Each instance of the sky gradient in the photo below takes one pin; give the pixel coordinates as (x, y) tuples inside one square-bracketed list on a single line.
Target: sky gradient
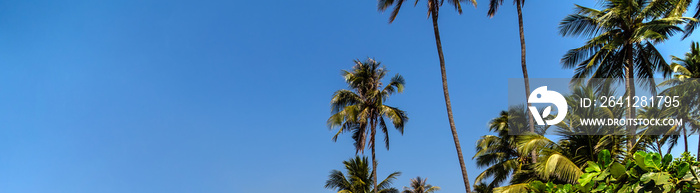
[(233, 96)]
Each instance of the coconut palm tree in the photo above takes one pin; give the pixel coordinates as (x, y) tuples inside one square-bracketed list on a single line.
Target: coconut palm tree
[(358, 179), (361, 108), (418, 185), (621, 42), (686, 85), (493, 7), (659, 135), (433, 10), (499, 152)]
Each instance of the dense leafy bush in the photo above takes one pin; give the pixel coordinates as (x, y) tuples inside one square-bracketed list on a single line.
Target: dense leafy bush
[(647, 172)]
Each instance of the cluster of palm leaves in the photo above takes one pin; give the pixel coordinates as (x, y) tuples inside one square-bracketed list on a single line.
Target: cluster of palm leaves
[(359, 180)]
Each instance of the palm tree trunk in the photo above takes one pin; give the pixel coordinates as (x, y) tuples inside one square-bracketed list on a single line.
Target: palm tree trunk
[(530, 120), (698, 155), (685, 139), (465, 176), (629, 80), (373, 132)]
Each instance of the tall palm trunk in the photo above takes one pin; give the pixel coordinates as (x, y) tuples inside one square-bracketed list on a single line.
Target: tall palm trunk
[(465, 176), (629, 80), (373, 132), (531, 121), (685, 139), (698, 155)]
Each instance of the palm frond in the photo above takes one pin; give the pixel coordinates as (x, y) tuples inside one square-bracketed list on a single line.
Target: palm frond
[(513, 188), (493, 7), (388, 181), (579, 25), (558, 166), (397, 116)]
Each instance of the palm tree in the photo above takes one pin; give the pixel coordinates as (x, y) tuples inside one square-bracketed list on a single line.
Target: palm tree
[(418, 185), (621, 42), (358, 179), (493, 7), (685, 84), (433, 10), (660, 135), (361, 109), (499, 152)]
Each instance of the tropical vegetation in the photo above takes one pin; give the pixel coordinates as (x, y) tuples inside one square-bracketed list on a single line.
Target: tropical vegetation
[(622, 45), (647, 172)]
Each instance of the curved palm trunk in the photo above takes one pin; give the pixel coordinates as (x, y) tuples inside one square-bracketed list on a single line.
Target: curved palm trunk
[(629, 81), (530, 120), (374, 160), (447, 97)]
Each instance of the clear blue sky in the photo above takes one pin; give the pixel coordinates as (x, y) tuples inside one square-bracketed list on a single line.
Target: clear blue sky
[(233, 96)]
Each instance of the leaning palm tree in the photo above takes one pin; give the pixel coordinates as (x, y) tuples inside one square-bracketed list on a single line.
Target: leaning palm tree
[(493, 7), (433, 10), (358, 179), (621, 42), (361, 108), (418, 185)]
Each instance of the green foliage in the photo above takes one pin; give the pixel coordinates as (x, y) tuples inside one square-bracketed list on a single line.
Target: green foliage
[(358, 178), (419, 185), (362, 109), (498, 152), (647, 172)]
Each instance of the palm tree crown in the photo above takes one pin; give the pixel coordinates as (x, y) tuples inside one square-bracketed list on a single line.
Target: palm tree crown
[(623, 33), (419, 185), (358, 110), (358, 179)]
